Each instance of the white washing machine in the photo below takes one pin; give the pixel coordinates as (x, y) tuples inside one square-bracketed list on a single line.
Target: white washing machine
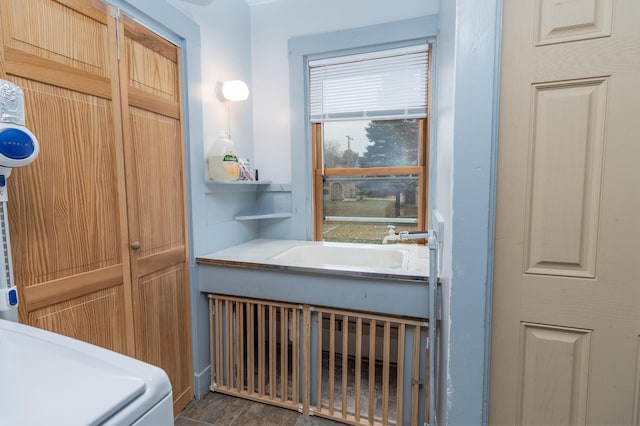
[(49, 379)]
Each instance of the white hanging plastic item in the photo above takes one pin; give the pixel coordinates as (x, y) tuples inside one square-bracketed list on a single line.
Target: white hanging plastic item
[(18, 147)]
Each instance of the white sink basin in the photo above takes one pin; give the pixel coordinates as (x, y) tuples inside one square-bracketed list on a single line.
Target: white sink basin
[(344, 255)]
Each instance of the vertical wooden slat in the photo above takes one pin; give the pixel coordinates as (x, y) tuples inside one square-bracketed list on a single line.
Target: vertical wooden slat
[(400, 380), (220, 349), (236, 339), (372, 370), (332, 359), (306, 389), (415, 375), (385, 372), (345, 360), (272, 352), (241, 339), (212, 353), (295, 377), (358, 361), (319, 364), (261, 349), (250, 348), (284, 341), (228, 344)]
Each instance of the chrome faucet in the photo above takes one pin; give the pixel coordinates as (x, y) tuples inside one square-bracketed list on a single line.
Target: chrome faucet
[(404, 235), (392, 235), (413, 235)]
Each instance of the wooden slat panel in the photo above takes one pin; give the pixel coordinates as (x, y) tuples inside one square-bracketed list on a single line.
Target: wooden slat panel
[(56, 291), (261, 349), (400, 377), (283, 353), (358, 360), (272, 352), (212, 345), (319, 364), (295, 377), (228, 349), (332, 360), (97, 318), (415, 375), (345, 362), (220, 351), (385, 372), (280, 311), (239, 339), (306, 367), (250, 348), (372, 371)]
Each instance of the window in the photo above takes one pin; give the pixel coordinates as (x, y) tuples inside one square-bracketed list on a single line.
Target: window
[(369, 130)]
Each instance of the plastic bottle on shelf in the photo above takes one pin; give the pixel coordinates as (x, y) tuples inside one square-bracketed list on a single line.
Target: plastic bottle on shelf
[(222, 159)]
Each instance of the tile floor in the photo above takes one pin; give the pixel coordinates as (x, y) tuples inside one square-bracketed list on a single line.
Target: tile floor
[(223, 410)]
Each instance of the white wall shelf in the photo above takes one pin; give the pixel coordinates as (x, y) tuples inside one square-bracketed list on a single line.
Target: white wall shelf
[(265, 204), (280, 215), (235, 185), (237, 182)]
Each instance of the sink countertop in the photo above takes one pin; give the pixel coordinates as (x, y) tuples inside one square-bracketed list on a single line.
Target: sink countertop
[(259, 253)]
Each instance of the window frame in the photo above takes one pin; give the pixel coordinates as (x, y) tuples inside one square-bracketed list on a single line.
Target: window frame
[(421, 170)]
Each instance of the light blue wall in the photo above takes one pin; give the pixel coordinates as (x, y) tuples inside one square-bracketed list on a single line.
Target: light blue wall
[(302, 49), (464, 155), (465, 161), (273, 23)]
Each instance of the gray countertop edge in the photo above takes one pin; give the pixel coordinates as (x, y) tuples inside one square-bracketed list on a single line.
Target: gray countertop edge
[(311, 270)]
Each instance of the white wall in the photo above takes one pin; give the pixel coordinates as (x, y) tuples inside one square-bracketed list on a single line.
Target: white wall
[(226, 55), (272, 25)]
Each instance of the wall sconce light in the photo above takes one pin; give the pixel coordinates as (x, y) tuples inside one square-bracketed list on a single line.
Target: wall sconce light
[(231, 91), (234, 90)]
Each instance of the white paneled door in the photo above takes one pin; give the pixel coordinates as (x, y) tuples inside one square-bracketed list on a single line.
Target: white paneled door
[(566, 307)]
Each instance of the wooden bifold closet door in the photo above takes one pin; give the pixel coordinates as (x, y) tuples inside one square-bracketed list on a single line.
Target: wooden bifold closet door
[(98, 222)]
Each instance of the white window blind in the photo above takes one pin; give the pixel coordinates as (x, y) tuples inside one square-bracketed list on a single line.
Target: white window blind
[(389, 84)]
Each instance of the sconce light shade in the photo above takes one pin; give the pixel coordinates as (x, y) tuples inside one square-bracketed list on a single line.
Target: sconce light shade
[(234, 90)]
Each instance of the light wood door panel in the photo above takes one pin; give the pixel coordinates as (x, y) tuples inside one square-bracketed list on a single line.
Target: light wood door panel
[(66, 204), (97, 318), (60, 31), (156, 200), (566, 315), (163, 327), (67, 211)]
